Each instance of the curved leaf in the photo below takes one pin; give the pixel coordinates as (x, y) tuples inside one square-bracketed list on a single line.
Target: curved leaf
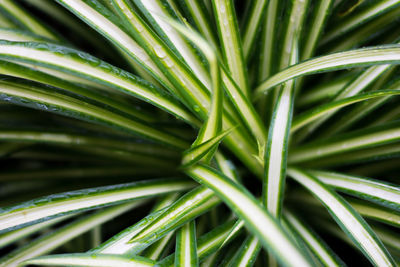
[(389, 54)]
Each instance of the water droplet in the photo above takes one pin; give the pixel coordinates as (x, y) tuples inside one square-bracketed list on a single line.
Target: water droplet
[(159, 51), (168, 62), (196, 108)]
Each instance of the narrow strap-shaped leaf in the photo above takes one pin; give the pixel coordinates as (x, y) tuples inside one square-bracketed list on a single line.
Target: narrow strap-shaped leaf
[(155, 251), (341, 60), (267, 230), (348, 142), (312, 115), (186, 246), (213, 124), (351, 89), (153, 10), (378, 191), (12, 236), (91, 68), (354, 20), (26, 20), (189, 87), (377, 213), (268, 39), (324, 254), (118, 244), (241, 146), (347, 218), (323, 91), (64, 203), (252, 22), (40, 98), (17, 35), (321, 12), (201, 19), (67, 138), (211, 241), (46, 243), (20, 71), (267, 56), (245, 109), (91, 260), (230, 43), (247, 254), (197, 152), (364, 33), (292, 32), (100, 19), (188, 207), (362, 110), (277, 145)]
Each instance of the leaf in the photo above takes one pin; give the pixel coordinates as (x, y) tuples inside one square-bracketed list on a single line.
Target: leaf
[(49, 242), (188, 207), (388, 54), (347, 218), (247, 254), (186, 246), (26, 20), (347, 142), (159, 14), (231, 45), (322, 110), (211, 242), (65, 203), (251, 25), (79, 259), (197, 152), (374, 190), (91, 68), (260, 223), (41, 98), (319, 248), (276, 151), (356, 19)]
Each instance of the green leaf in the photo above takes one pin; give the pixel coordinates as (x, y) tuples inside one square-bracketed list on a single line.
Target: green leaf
[(186, 246), (64, 203), (42, 98), (159, 14), (389, 54), (277, 145), (347, 218), (326, 109), (94, 260), (26, 20), (231, 45), (247, 254), (267, 230), (251, 25), (347, 142), (188, 207), (211, 241), (319, 248), (356, 19), (374, 190), (197, 152), (54, 239)]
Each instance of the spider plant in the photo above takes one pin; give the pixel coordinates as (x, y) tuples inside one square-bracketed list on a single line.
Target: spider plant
[(199, 132)]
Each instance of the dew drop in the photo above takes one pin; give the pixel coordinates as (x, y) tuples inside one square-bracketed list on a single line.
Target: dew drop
[(159, 51)]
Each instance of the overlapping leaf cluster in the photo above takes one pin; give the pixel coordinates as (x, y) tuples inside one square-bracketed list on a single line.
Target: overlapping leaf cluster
[(199, 132)]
